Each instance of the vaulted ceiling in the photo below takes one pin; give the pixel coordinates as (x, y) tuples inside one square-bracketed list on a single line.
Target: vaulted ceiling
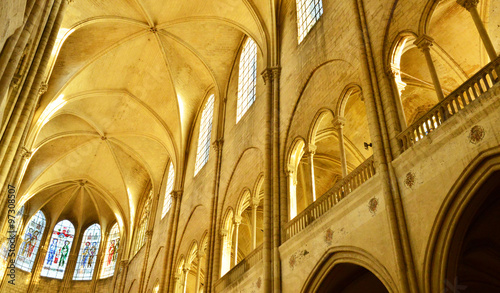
[(127, 81)]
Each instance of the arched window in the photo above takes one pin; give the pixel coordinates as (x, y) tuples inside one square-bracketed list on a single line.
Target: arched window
[(59, 248), (30, 242), (247, 78), (87, 256), (167, 202), (143, 224), (9, 230), (308, 13), (111, 253), (205, 133)]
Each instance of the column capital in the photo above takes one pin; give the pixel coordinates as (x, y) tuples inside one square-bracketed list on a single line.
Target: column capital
[(424, 42), (43, 88), (176, 194), (255, 201), (237, 219), (338, 122), (201, 254), (468, 4), (187, 268), (217, 144), (311, 149), (149, 233), (267, 75), (223, 232), (276, 71)]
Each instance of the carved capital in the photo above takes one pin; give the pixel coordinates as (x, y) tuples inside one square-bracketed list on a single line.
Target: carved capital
[(223, 232), (237, 219), (217, 145), (124, 263), (149, 234), (311, 149), (424, 42), (267, 75), (338, 122), (276, 71), (201, 254), (468, 4), (25, 153), (43, 88), (176, 194), (255, 201)]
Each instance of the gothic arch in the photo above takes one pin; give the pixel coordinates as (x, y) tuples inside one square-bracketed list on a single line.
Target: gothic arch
[(347, 255), (460, 199)]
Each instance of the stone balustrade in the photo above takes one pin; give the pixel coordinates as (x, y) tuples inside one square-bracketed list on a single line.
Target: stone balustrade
[(458, 100), (239, 269), (339, 191)]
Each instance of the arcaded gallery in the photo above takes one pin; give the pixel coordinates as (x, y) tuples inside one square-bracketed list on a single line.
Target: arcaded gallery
[(250, 146)]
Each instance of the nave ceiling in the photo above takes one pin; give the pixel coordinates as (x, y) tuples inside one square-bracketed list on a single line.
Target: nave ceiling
[(127, 82)]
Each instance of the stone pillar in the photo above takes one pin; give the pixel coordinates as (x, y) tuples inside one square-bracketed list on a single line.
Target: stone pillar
[(424, 43), (185, 270), (338, 124), (394, 75), (471, 6), (310, 151), (177, 282), (124, 271), (292, 191), (149, 236), (200, 256), (224, 244), (237, 222), (255, 206)]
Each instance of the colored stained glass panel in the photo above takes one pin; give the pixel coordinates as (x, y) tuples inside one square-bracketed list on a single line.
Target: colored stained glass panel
[(88, 253), (57, 256), (111, 253), (30, 242)]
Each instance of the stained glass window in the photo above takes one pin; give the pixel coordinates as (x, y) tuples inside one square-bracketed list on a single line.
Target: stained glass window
[(111, 253), (205, 133), (143, 224), (167, 202), (247, 78), (88, 253), (30, 242), (59, 248), (308, 13)]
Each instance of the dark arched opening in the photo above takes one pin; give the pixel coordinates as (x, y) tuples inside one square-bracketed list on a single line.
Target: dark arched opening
[(474, 258), (351, 278)]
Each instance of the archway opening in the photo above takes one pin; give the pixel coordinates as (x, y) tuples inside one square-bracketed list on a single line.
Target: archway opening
[(351, 278), (474, 258)]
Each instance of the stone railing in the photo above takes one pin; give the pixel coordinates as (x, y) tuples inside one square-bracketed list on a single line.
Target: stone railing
[(340, 190), (239, 269), (458, 100)]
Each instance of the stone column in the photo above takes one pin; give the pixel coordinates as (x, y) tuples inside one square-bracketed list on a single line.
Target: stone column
[(424, 43), (177, 282), (292, 191), (200, 256), (124, 271), (471, 6), (185, 270), (310, 151), (338, 124), (255, 206), (149, 236), (237, 222), (394, 75), (223, 240)]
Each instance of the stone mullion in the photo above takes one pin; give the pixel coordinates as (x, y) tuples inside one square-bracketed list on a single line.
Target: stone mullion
[(98, 264), (71, 265)]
